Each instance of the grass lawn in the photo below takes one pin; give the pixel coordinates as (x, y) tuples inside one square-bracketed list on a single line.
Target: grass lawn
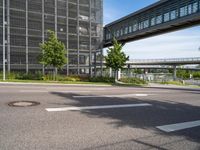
[(75, 82)]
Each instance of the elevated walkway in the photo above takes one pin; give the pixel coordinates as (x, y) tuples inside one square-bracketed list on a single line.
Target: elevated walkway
[(161, 17)]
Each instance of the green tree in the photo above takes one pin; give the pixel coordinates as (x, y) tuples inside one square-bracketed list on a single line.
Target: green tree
[(116, 59), (53, 53), (183, 74)]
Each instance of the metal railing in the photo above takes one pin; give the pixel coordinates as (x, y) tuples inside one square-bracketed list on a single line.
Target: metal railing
[(168, 60)]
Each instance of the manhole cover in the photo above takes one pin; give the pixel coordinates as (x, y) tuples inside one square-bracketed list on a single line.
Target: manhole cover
[(23, 103)]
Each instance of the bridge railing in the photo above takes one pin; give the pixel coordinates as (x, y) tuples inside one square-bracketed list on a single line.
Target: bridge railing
[(165, 60)]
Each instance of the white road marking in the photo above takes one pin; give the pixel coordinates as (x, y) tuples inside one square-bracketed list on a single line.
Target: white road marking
[(179, 126), (72, 91), (120, 96), (96, 107)]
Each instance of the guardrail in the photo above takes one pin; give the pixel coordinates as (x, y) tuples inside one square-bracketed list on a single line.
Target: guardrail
[(194, 60), (166, 60)]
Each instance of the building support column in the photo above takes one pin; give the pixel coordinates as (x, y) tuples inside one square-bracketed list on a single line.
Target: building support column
[(56, 19), (78, 39), (95, 64), (67, 35), (43, 67), (174, 73), (4, 43), (8, 35), (90, 47), (102, 54), (129, 70), (26, 36)]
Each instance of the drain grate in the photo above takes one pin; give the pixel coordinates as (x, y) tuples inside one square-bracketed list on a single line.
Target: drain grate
[(23, 103)]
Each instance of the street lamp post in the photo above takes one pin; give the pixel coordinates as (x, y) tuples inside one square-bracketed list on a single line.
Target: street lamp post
[(4, 60)]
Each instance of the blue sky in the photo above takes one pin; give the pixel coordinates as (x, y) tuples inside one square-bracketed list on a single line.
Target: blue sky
[(179, 44)]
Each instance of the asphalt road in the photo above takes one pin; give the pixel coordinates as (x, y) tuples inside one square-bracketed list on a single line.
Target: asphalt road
[(99, 117)]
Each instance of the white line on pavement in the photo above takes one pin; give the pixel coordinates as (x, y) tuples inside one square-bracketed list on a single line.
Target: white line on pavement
[(72, 91), (179, 126), (96, 107), (120, 96)]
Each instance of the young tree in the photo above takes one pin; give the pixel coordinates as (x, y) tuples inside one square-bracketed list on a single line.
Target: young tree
[(53, 53), (116, 59)]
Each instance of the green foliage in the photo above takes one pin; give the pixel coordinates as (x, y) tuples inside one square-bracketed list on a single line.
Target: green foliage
[(138, 71), (23, 76), (183, 74), (133, 81), (116, 59), (50, 77), (29, 76), (53, 52), (10, 75), (102, 79), (196, 75)]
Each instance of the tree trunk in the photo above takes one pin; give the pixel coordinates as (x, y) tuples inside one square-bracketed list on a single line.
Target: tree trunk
[(55, 73), (116, 76)]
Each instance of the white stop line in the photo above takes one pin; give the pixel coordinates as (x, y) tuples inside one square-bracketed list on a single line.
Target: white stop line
[(179, 126), (96, 107)]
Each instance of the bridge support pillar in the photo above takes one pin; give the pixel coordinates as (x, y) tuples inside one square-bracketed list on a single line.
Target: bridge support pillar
[(174, 72), (129, 71)]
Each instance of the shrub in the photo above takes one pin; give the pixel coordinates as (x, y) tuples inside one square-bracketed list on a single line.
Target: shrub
[(133, 81), (196, 75), (23, 76), (29, 76), (12, 75), (102, 79)]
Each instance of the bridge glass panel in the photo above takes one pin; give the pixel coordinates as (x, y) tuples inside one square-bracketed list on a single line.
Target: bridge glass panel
[(130, 29), (183, 11), (153, 21), (195, 7), (166, 17), (173, 14), (159, 19)]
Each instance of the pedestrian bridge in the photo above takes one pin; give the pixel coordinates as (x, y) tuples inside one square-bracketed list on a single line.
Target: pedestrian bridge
[(169, 61), (162, 67), (161, 17)]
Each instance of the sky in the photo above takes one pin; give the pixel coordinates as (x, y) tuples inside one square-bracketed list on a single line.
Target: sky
[(180, 44)]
